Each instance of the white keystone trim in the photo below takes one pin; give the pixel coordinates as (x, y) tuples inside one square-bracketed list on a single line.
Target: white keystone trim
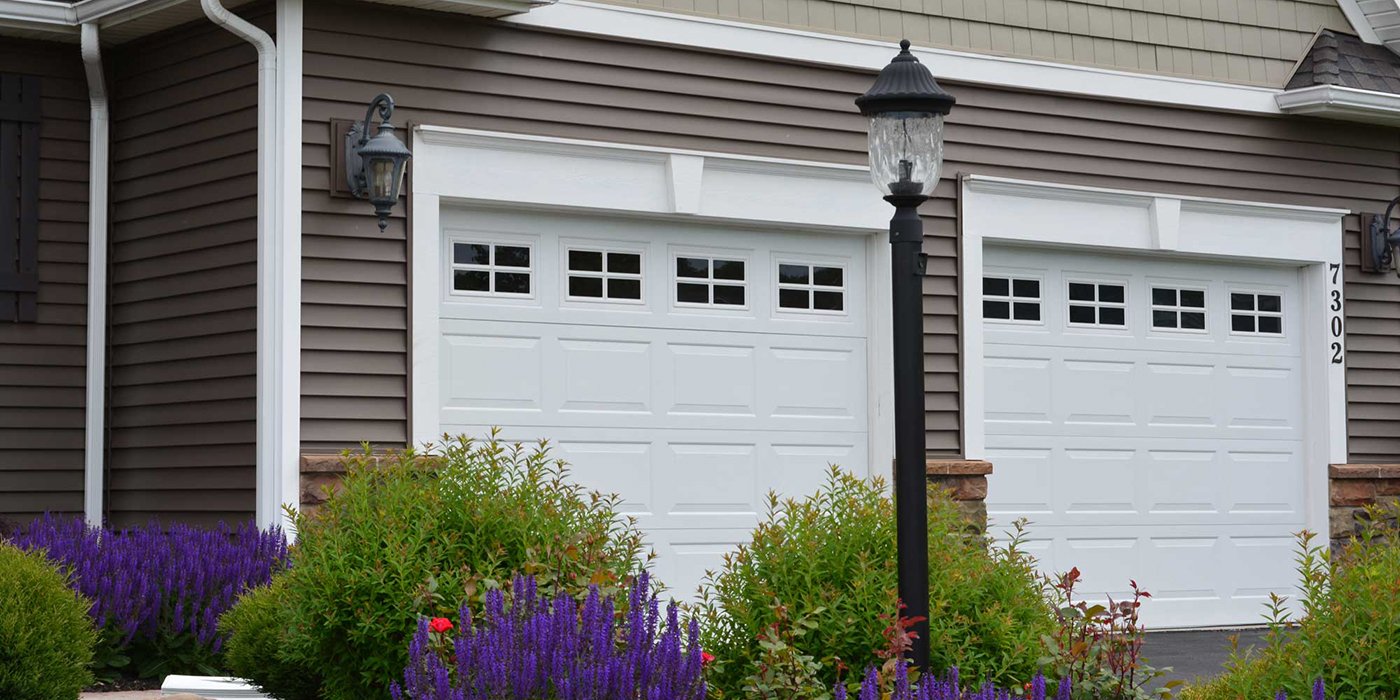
[(997, 209), (99, 138), (489, 169), (650, 26), (1338, 102)]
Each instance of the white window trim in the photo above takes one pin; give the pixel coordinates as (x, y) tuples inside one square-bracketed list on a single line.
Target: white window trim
[(491, 268), (995, 210), (490, 169), (811, 287), (606, 249), (1011, 299), (1097, 304), (710, 256), (1179, 287), (1256, 313)]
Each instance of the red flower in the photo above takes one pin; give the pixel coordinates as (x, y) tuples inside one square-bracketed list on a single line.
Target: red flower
[(440, 625), (706, 658)]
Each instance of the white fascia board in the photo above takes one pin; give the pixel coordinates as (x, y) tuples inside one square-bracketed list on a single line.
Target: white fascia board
[(636, 24), (1337, 102), (62, 16)]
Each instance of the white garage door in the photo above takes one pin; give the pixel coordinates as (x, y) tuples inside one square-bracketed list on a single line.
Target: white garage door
[(689, 369), (1147, 417)]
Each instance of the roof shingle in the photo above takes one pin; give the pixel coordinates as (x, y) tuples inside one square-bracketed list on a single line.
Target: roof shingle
[(1347, 61)]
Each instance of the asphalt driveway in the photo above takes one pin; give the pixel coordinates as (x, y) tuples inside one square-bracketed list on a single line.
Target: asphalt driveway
[(1194, 654)]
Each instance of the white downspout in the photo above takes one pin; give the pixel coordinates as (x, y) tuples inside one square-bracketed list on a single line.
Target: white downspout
[(269, 433), (98, 134)]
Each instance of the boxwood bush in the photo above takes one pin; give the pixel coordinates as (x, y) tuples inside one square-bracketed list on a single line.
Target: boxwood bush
[(413, 535), (46, 637), (824, 568), (1348, 635)]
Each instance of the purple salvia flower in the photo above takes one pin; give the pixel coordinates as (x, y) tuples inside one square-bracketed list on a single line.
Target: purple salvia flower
[(1319, 690)]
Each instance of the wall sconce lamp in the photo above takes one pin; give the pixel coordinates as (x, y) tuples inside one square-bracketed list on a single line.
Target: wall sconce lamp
[(374, 165), (1380, 245)]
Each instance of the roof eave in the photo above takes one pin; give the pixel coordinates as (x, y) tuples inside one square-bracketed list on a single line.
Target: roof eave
[(1343, 103)]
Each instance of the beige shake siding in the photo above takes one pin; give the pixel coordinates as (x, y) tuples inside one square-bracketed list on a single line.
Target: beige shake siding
[(43, 363), (1239, 41), (459, 72), (184, 276)]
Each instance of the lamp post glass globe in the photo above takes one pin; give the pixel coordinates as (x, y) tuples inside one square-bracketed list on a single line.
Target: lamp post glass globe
[(906, 152)]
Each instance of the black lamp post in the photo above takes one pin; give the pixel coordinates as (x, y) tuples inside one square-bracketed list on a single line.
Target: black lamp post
[(906, 109), (374, 165)]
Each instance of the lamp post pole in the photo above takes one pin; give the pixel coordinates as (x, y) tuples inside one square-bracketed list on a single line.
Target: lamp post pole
[(910, 481), (906, 108)]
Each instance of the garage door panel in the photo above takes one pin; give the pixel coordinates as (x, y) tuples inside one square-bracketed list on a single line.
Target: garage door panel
[(548, 374), (1090, 391), (1070, 480)]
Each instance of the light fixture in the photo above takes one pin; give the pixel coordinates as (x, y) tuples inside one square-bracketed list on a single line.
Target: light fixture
[(1380, 245), (906, 110), (374, 165)]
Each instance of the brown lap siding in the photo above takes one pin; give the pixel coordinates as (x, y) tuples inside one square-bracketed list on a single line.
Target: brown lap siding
[(43, 363), (453, 71), (184, 275)]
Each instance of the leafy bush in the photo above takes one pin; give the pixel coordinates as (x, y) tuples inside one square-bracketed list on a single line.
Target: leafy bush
[(255, 629), (537, 648), (414, 535), (46, 638), (1098, 648), (156, 593), (828, 560), (900, 686), (1349, 632)]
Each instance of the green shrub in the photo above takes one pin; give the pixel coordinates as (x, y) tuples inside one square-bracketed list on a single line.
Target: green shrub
[(412, 535), (1349, 632), (46, 637), (828, 560), (256, 628)]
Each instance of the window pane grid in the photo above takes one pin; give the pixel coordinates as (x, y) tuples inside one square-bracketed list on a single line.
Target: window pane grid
[(705, 281), (1011, 300), (499, 269), (812, 288), (1256, 313), (1179, 309), (1098, 304), (604, 275)]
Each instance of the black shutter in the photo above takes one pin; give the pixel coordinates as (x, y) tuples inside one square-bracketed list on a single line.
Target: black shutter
[(19, 197)]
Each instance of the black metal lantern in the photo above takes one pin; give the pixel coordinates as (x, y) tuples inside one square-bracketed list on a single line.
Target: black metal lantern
[(906, 109), (1380, 246), (374, 165)]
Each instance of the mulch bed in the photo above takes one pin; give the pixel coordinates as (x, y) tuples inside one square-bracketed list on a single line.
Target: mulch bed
[(124, 684)]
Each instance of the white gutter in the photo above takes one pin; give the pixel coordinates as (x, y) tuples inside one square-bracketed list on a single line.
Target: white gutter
[(99, 133), (269, 404), (1337, 102)]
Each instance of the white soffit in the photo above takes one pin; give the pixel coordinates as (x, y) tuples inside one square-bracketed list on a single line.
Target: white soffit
[(1337, 102), (650, 26)]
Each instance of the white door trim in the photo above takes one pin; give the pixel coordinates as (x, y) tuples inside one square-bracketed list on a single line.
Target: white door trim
[(491, 169), (1018, 211)]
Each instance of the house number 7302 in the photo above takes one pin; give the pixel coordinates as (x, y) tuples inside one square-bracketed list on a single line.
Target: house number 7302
[(1334, 305)]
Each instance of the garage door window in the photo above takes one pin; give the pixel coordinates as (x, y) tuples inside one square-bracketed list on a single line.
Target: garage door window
[(814, 288), (704, 281), (1177, 309), (491, 269), (1253, 313), (1011, 299), (605, 275), (1098, 304)]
